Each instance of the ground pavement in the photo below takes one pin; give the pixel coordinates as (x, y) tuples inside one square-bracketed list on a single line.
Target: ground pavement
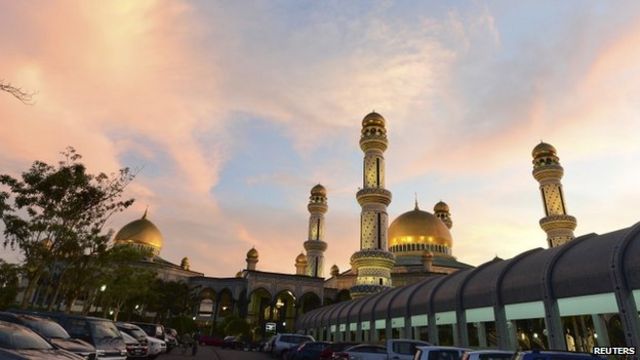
[(215, 353)]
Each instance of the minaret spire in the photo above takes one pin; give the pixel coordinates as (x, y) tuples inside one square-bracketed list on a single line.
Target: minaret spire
[(144, 216), (315, 245), (557, 223), (373, 262)]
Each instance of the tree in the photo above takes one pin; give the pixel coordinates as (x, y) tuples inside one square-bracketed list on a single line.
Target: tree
[(18, 93), (8, 283), (55, 216)]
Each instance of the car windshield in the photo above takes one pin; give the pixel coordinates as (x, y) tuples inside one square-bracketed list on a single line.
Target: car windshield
[(22, 339), (48, 328), (105, 332), (292, 339), (150, 329), (444, 355), (137, 333)]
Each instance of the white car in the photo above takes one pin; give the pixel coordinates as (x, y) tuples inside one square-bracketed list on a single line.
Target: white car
[(488, 355), (156, 346), (440, 353), (283, 343)]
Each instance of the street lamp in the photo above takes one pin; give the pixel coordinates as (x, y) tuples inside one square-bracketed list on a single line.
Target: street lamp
[(103, 287)]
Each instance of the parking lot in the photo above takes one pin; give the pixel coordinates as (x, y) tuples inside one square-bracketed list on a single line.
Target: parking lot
[(215, 353)]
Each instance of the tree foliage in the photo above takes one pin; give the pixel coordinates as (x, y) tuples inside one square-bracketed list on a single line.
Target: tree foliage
[(55, 216), (8, 283)]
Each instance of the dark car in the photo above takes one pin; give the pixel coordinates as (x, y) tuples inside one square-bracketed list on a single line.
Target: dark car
[(308, 351), (171, 338), (327, 352), (554, 355), (101, 333), (232, 342), (153, 330), (142, 348), (51, 331), (18, 342)]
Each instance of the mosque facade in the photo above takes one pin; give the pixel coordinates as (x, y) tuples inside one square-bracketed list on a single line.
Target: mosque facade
[(404, 280)]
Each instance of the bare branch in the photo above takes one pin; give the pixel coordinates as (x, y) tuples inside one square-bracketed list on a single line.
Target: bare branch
[(18, 93)]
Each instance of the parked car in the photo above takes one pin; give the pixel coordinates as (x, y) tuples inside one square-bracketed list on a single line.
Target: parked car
[(440, 353), (171, 338), (232, 342), (308, 351), (18, 342), (51, 331), (327, 353), (156, 347), (268, 345), (362, 352), (209, 340), (283, 343), (488, 355), (101, 333), (403, 349), (137, 334), (554, 355), (153, 330), (135, 350)]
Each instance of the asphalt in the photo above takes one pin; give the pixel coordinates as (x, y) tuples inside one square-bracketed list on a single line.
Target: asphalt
[(214, 353)]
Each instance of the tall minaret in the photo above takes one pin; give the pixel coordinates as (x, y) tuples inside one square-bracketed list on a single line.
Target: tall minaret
[(547, 170), (373, 262), (315, 245)]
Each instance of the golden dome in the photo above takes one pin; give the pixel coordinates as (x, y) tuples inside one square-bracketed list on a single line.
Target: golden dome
[(252, 254), (441, 206), (141, 232), (300, 259), (543, 149), (373, 119), (419, 227), (318, 190)]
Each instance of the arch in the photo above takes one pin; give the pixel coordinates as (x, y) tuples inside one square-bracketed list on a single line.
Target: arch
[(343, 295), (225, 303), (309, 301)]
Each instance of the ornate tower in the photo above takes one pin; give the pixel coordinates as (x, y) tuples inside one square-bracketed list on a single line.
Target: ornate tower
[(373, 262), (301, 264), (315, 246), (547, 170), (252, 259), (441, 211)]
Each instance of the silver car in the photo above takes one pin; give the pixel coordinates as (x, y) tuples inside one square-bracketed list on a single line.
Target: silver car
[(283, 343)]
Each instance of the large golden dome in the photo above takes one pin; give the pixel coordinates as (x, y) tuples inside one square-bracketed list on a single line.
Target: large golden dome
[(141, 232), (418, 230)]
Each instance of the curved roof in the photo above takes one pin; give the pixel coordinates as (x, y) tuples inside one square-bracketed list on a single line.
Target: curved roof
[(418, 227), (581, 267)]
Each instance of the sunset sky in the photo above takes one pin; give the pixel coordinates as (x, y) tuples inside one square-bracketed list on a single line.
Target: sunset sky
[(233, 110)]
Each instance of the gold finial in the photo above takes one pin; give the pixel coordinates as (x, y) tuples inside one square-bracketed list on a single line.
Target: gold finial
[(416, 201), (144, 216)]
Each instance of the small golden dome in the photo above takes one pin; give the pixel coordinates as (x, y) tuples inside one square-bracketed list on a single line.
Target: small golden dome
[(335, 271), (141, 232), (301, 259), (543, 149), (239, 274), (318, 190), (185, 263), (419, 227), (252, 254), (373, 119), (441, 206)]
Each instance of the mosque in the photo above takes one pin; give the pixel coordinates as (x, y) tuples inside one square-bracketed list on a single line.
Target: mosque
[(404, 280)]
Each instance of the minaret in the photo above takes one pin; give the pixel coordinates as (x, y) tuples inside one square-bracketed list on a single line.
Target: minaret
[(252, 259), (301, 264), (547, 170), (315, 245), (441, 211), (373, 262)]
